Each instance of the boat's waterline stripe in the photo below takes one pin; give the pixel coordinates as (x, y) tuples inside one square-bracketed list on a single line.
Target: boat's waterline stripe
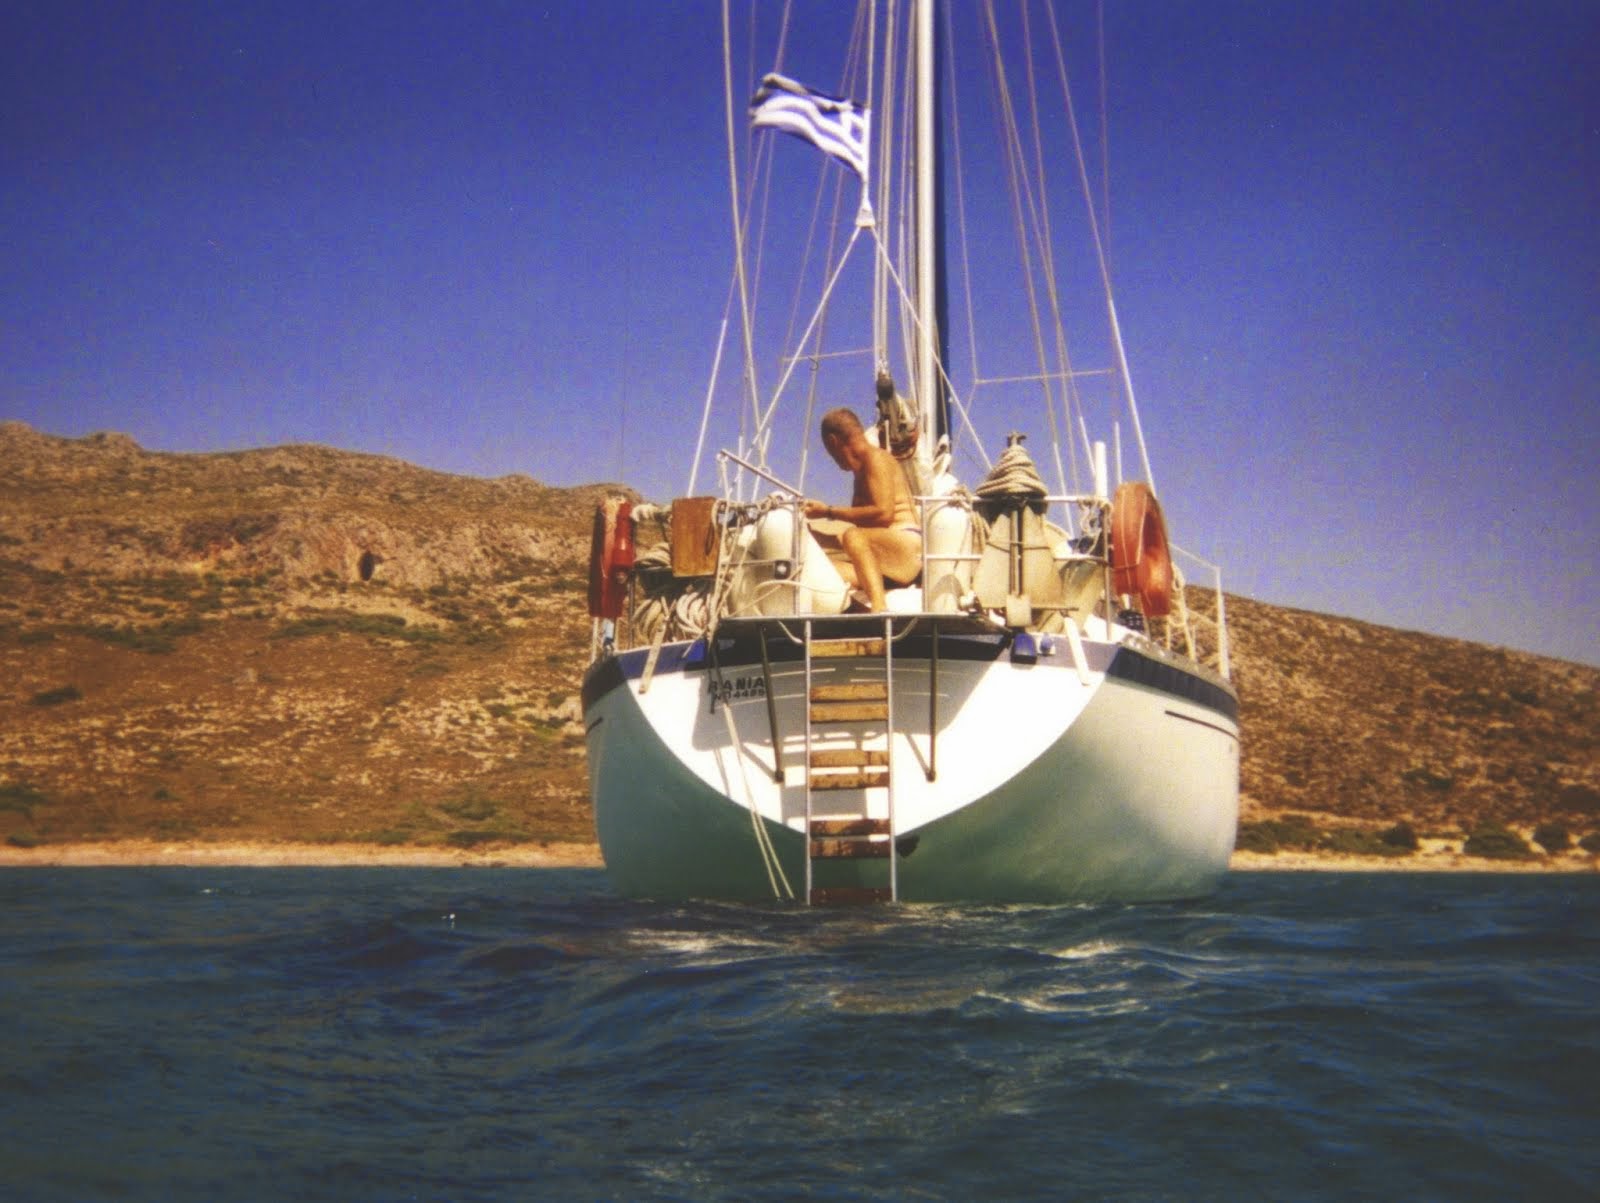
[(742, 654)]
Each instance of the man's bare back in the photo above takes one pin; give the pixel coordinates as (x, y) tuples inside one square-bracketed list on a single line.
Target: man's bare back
[(882, 537)]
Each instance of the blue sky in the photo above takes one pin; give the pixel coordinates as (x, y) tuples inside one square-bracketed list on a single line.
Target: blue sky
[(1355, 248)]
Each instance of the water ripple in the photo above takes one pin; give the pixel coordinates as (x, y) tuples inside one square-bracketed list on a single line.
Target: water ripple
[(507, 1035)]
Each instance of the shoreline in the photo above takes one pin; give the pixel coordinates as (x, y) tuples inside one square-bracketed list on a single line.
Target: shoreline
[(555, 855), (251, 854)]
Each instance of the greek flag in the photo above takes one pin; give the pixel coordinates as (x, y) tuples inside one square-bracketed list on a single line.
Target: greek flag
[(835, 126)]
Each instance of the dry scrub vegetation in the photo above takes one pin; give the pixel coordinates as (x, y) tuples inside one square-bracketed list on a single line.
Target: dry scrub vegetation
[(311, 645)]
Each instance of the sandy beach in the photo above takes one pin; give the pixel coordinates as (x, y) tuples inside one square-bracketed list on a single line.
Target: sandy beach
[(1444, 860), (1434, 856), (255, 854)]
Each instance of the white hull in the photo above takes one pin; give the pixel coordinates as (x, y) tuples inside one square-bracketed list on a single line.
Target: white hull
[(1055, 780)]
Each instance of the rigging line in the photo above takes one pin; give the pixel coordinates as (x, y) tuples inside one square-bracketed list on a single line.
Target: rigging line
[(1021, 200), (905, 301), (961, 192), (733, 187), (903, 226), (1046, 376), (705, 413), (822, 304), (1041, 217), (886, 119), (762, 438), (852, 68), (1071, 399), (1070, 396), (815, 359), (769, 855), (1100, 254), (1034, 203), (763, 152), (794, 310), (840, 182), (1105, 125), (716, 372), (805, 425), (763, 160), (824, 356)]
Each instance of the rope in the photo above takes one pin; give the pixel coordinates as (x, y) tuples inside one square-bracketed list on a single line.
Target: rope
[(666, 608), (1014, 475), (769, 855)]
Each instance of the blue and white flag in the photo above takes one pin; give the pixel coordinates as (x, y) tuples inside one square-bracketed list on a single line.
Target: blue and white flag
[(836, 126)]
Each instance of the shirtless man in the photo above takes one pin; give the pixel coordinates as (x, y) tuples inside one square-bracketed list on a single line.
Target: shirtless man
[(882, 538)]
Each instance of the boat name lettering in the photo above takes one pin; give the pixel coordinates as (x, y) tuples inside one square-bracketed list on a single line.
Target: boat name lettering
[(733, 689)]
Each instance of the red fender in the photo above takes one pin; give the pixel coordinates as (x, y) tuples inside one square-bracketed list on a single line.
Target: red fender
[(622, 552), (1141, 561), (611, 557)]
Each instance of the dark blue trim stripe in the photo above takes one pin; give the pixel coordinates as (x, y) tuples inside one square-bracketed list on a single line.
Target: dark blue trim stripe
[(1141, 669), (603, 676), (742, 652)]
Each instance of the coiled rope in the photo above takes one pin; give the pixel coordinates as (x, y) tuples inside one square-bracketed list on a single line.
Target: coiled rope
[(1013, 475)]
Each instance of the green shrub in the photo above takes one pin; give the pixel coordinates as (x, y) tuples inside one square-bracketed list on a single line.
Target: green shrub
[(55, 697), (1362, 841), (1491, 841), (1274, 835), (21, 798), (1428, 778), (154, 640), (1579, 799), (471, 809), (471, 839), (1402, 835), (383, 626), (1552, 837)]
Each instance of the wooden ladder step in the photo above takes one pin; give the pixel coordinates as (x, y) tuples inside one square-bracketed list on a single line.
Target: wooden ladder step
[(848, 849), (849, 895), (845, 649), (848, 758), (849, 712), (854, 691), (825, 827), (863, 779)]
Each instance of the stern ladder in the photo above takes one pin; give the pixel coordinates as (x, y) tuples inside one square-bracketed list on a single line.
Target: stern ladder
[(854, 710)]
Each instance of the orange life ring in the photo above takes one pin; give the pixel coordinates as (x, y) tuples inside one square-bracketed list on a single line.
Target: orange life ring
[(610, 558), (1141, 561)]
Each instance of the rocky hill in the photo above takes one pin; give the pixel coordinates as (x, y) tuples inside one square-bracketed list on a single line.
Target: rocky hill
[(308, 644)]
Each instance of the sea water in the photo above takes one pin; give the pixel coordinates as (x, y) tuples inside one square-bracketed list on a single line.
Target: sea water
[(228, 1034)]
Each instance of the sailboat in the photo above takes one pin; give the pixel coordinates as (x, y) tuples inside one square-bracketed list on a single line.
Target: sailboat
[(1044, 714)]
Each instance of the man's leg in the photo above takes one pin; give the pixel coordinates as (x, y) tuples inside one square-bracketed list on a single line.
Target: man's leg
[(858, 546), (876, 552)]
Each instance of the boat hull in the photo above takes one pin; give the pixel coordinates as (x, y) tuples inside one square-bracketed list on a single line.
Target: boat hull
[(1113, 775)]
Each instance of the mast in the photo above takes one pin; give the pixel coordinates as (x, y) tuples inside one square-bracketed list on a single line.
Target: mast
[(931, 405)]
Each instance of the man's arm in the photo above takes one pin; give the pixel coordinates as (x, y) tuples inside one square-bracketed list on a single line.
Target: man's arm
[(873, 503)]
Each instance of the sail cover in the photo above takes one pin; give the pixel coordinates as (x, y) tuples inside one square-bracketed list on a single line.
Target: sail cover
[(836, 126)]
